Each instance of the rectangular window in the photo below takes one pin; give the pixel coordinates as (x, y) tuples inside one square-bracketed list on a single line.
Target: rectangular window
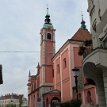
[(48, 36), (58, 68), (64, 63), (53, 72)]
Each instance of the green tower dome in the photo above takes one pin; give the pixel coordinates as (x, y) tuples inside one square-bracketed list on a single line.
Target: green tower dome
[(47, 23), (83, 26)]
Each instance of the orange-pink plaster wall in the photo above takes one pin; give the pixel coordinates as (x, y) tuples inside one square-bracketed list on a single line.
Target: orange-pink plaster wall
[(57, 77), (49, 74), (65, 70), (65, 75), (62, 78), (77, 58), (49, 52), (64, 82)]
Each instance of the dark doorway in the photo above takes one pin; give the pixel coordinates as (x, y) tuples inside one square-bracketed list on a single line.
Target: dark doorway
[(55, 102)]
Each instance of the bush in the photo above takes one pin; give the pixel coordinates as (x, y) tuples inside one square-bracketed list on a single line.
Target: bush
[(65, 104), (72, 103), (75, 103)]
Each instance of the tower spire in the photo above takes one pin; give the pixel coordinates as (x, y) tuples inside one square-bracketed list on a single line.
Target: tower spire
[(83, 26), (47, 17), (47, 23), (82, 16)]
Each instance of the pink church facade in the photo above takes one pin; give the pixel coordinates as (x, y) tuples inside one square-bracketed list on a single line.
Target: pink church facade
[(54, 81), (64, 61), (63, 75)]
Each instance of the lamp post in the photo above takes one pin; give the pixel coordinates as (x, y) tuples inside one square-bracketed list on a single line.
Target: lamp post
[(76, 79)]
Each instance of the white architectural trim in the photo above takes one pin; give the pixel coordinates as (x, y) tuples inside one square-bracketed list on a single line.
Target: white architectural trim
[(70, 70), (61, 78)]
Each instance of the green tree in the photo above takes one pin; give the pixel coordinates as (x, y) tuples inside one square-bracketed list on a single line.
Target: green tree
[(11, 105), (20, 100), (72, 103)]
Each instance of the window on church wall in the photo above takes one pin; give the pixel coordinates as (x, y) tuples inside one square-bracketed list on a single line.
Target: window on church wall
[(58, 68), (64, 63), (49, 36), (53, 72)]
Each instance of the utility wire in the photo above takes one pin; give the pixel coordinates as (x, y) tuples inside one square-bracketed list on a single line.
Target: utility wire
[(19, 51)]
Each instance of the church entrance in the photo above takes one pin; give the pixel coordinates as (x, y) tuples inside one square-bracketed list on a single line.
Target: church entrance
[(55, 102)]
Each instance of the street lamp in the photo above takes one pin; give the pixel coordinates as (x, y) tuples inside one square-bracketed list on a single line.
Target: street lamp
[(76, 79)]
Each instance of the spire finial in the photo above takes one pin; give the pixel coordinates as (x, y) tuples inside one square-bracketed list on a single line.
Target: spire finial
[(47, 20), (47, 9), (29, 73), (47, 17), (82, 16), (83, 26)]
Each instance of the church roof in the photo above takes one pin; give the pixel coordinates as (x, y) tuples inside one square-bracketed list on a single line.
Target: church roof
[(46, 26), (82, 35)]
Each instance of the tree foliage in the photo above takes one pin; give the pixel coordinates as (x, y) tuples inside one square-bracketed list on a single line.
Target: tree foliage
[(71, 103), (11, 105)]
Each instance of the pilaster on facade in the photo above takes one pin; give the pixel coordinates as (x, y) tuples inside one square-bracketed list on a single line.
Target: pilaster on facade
[(61, 78), (70, 73)]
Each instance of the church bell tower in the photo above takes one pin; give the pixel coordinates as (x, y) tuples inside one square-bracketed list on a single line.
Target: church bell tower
[(47, 46)]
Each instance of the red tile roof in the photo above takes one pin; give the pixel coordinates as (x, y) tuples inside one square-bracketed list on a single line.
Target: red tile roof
[(82, 35)]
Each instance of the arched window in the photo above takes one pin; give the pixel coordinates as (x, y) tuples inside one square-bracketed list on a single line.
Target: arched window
[(58, 68), (64, 63), (49, 36)]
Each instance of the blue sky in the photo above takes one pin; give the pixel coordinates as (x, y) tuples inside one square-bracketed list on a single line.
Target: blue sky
[(20, 24)]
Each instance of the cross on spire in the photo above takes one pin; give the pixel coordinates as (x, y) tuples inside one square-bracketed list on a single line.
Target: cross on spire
[(47, 9), (47, 17), (82, 16)]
